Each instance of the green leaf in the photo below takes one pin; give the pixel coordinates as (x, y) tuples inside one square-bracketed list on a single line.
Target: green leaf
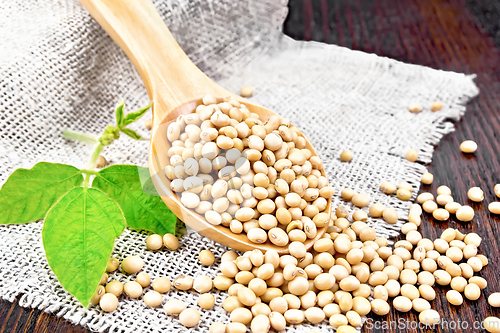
[(132, 134), (28, 194), (119, 114), (78, 236), (142, 210), (180, 228), (133, 116)]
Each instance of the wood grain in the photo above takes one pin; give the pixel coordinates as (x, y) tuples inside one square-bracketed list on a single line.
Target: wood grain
[(14, 318), (444, 34)]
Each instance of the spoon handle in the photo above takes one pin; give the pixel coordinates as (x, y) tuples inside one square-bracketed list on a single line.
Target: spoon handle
[(169, 75)]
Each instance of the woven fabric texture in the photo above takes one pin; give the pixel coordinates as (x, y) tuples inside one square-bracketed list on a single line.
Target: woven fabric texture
[(60, 70)]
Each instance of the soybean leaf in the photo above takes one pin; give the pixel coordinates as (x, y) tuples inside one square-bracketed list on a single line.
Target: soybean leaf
[(132, 134), (133, 116), (180, 228), (142, 210), (119, 114), (27, 195), (78, 236)]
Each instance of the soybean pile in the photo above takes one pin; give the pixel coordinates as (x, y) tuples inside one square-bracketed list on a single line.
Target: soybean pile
[(252, 176), (259, 178)]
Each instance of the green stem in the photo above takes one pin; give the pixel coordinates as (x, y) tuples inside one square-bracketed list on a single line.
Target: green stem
[(89, 172), (95, 156), (87, 180), (88, 138)]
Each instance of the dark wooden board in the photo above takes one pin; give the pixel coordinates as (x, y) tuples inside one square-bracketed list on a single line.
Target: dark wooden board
[(451, 35), (456, 35), (14, 318)]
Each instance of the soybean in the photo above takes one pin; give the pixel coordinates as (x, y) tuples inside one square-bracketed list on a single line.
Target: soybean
[(429, 317), (190, 317), (152, 298), (360, 200), (468, 146), (174, 307), (491, 324), (412, 155), (494, 300), (346, 156), (465, 213), (108, 302), (206, 257), (154, 242), (171, 242), (475, 194), (427, 178), (162, 285), (472, 292), (206, 301)]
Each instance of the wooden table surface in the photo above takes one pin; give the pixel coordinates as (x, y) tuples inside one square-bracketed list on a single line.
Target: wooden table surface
[(456, 35)]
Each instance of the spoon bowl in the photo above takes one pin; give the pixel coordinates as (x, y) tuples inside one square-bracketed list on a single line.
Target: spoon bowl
[(176, 87)]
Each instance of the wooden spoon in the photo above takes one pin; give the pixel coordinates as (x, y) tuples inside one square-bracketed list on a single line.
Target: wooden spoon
[(176, 86)]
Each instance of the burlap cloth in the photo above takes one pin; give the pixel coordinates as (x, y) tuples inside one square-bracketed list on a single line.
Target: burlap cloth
[(59, 69)]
